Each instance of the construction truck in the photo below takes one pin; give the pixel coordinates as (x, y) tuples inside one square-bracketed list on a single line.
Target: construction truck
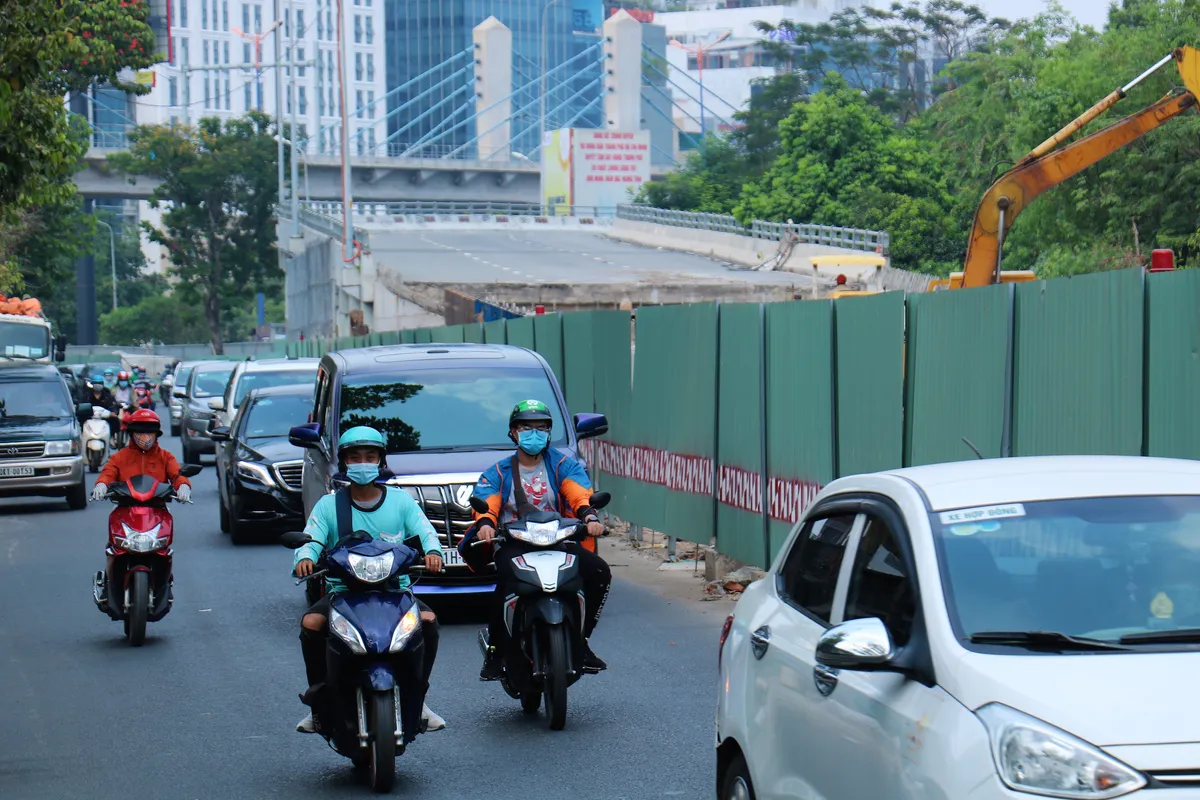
[(1050, 163), (27, 335)]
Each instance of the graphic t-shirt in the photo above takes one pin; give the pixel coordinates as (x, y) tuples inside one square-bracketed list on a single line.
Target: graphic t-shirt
[(539, 490)]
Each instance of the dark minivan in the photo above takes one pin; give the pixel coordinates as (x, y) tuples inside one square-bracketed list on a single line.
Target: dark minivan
[(444, 409)]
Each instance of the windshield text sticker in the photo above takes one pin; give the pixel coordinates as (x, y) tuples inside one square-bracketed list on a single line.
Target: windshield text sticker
[(982, 513)]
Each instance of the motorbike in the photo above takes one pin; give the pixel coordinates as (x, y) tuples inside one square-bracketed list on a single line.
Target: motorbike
[(121, 436), (164, 390), (135, 586), (370, 705), (95, 438), (545, 615), (142, 396)]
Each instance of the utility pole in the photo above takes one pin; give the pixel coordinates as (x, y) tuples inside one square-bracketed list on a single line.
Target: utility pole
[(344, 86), (294, 136), (279, 101)]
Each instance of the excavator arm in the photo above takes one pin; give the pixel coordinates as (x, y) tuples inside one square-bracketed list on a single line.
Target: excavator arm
[(1046, 167)]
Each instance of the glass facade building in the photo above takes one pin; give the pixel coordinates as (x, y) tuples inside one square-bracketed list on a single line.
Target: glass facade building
[(435, 116)]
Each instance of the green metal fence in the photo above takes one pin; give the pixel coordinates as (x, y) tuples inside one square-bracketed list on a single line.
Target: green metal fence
[(1173, 365)]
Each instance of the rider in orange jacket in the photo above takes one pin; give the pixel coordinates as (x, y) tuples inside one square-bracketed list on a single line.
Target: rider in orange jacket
[(142, 456)]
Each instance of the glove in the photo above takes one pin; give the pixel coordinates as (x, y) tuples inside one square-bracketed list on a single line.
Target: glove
[(184, 493), (99, 491)]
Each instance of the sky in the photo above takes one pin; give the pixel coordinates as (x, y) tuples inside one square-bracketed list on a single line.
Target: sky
[(1088, 12)]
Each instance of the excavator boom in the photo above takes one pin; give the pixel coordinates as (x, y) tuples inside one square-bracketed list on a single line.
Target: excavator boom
[(1046, 167)]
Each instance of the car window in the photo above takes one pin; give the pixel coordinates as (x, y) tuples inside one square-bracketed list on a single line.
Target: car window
[(446, 408), (262, 380), (181, 379), (879, 586), (808, 578), (34, 399), (210, 381), (275, 416)]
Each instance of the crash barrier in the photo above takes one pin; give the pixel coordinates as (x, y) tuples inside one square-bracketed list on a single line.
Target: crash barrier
[(729, 418), (237, 351)]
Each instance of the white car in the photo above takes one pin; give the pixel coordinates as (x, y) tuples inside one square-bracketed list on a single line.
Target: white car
[(249, 375), (998, 628)]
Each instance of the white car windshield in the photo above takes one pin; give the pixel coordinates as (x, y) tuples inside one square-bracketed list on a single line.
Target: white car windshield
[(1116, 569)]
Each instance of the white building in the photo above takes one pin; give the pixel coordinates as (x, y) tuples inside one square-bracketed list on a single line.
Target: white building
[(229, 49)]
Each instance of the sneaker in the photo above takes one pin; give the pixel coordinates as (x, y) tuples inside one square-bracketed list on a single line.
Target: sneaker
[(493, 667), (307, 725), (591, 661), (431, 720)]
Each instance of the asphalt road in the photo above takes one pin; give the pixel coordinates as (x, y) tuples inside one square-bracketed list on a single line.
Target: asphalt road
[(543, 257), (207, 707)]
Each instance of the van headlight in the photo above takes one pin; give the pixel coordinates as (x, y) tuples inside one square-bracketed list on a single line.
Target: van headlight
[(62, 448), (1035, 757), (405, 628), (346, 631)]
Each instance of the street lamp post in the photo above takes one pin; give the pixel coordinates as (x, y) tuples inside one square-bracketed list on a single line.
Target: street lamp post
[(112, 257), (700, 51)]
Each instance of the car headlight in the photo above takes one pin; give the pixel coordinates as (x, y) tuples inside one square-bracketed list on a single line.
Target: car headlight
[(140, 541), (405, 628), (346, 632), (62, 448), (372, 569), (254, 472), (1035, 757)]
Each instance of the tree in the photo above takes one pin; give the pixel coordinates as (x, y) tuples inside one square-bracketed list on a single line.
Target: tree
[(219, 193), (167, 319)]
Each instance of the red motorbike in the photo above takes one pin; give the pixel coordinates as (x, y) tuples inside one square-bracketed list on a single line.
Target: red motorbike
[(143, 397), (121, 436), (136, 584)]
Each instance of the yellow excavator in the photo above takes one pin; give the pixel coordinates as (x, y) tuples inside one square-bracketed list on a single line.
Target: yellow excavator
[(1048, 165)]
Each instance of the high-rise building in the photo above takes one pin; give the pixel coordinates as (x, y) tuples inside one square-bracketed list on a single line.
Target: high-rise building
[(429, 119)]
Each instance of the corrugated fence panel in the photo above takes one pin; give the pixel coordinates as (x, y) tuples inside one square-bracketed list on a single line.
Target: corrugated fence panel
[(422, 336), (473, 333), (739, 434), (957, 363), (408, 335), (870, 382), (673, 421), (548, 340), (1173, 364), (520, 332), (452, 334), (613, 375), (800, 394), (440, 334), (578, 375), (494, 332), (1078, 365)]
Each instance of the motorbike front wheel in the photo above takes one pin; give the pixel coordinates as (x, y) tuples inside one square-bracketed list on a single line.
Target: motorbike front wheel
[(381, 723), (556, 676), (139, 608)]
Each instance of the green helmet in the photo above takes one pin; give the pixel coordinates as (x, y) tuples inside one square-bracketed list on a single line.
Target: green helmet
[(362, 436), (530, 410)]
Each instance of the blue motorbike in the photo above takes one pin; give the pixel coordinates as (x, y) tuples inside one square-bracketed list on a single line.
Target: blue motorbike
[(370, 703)]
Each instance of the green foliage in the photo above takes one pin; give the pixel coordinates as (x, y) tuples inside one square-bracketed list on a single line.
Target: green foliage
[(218, 193), (156, 319)]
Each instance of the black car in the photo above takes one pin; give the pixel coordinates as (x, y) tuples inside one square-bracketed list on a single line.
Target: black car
[(258, 470)]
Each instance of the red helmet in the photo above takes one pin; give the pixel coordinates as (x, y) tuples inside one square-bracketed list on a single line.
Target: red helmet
[(144, 421), (122, 375)]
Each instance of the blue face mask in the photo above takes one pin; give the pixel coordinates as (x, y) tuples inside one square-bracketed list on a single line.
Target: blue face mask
[(362, 474), (124, 384), (533, 442)]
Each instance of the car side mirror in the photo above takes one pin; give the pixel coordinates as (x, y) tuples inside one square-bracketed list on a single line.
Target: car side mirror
[(860, 644), (216, 403), (180, 392), (307, 435), (83, 410), (294, 540), (190, 470), (588, 426), (219, 434), (600, 500), (479, 504)]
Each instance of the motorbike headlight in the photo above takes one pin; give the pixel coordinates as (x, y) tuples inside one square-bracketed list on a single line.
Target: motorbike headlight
[(140, 541), (372, 569), (254, 472), (1035, 757), (545, 533), (63, 448), (346, 632), (404, 629)]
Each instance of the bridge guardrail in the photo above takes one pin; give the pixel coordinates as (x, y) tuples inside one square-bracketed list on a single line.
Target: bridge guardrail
[(850, 238), (466, 208)]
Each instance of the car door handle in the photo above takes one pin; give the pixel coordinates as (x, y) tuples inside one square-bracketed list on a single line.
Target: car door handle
[(826, 679), (760, 640)]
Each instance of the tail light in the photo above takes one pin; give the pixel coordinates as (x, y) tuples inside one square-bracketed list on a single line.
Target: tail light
[(724, 635)]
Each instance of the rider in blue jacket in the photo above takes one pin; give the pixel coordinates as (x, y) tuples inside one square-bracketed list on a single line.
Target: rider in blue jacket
[(385, 513)]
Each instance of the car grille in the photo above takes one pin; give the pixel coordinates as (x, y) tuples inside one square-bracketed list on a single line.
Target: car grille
[(449, 518), (22, 450), (291, 473)]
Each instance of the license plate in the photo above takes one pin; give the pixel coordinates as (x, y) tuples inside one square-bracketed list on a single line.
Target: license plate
[(16, 472), (452, 557)]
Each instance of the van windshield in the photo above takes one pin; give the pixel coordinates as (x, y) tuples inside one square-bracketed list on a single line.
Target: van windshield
[(34, 399), (446, 409), (1117, 569), (263, 380)]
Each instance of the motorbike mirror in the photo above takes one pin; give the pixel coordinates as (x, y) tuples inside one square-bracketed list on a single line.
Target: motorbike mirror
[(601, 499), (294, 540), (479, 504), (190, 470), (83, 410)]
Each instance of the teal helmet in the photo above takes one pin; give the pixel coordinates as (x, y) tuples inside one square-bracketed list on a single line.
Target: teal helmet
[(361, 436)]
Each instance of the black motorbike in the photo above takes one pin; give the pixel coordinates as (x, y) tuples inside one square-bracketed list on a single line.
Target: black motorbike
[(375, 653), (545, 616)]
